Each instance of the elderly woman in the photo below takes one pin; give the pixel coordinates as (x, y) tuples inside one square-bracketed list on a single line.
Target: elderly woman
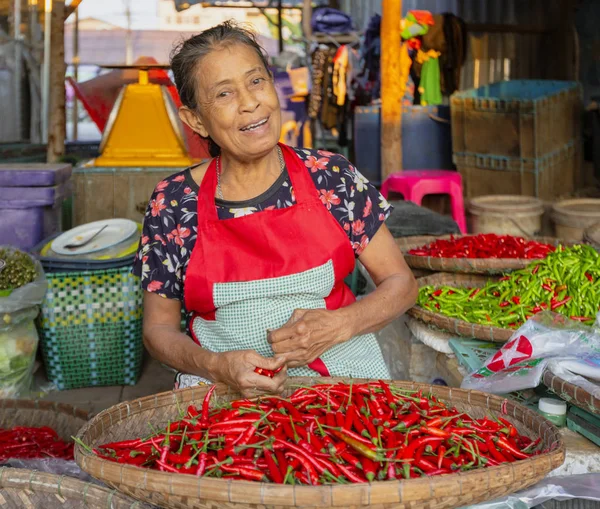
[(256, 242)]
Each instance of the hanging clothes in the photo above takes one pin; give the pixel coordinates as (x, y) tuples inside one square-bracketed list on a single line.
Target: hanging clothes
[(453, 58), (340, 72), (319, 68), (329, 108), (430, 85), (405, 65)]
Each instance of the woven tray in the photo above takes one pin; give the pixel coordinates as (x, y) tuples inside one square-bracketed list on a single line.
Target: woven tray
[(459, 327), (571, 393), (28, 488), (128, 420), (591, 236), (464, 265)]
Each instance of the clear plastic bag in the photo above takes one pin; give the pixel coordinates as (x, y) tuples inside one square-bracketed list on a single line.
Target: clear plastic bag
[(579, 487), (521, 362), (18, 335)]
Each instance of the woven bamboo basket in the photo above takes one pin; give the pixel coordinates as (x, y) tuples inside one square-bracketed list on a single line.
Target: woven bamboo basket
[(464, 265), (591, 236), (29, 488), (571, 393), (449, 324), (128, 420)]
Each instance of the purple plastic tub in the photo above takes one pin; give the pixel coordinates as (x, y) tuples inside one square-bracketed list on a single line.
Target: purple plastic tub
[(31, 199)]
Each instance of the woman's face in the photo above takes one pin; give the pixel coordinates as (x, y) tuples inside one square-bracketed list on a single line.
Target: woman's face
[(238, 106)]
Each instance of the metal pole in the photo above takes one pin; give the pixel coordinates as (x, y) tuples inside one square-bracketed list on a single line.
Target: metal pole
[(46, 70), (280, 23), (128, 35), (74, 112), (18, 71)]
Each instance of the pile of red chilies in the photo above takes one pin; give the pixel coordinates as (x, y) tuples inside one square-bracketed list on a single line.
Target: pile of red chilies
[(485, 246), (29, 443), (329, 433)]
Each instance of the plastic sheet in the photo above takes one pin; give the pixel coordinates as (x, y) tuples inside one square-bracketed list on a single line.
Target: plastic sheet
[(581, 487), (51, 466), (521, 362)]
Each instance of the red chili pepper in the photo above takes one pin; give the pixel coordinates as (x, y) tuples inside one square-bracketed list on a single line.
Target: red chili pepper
[(508, 447), (251, 474), (581, 318), (412, 447), (205, 406), (496, 454), (350, 475)]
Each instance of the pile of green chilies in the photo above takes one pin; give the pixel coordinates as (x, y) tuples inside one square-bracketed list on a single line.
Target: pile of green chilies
[(328, 433), (567, 281)]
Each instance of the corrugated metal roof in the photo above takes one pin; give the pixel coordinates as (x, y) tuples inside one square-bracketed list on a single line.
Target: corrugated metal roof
[(181, 5), (107, 47)]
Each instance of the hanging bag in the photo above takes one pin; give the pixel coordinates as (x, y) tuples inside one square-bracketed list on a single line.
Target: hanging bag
[(330, 21)]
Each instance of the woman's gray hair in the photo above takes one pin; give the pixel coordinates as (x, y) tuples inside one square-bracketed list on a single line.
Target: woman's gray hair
[(186, 56)]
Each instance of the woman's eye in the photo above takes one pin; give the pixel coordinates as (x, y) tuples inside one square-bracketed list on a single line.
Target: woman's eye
[(222, 94), (256, 81)]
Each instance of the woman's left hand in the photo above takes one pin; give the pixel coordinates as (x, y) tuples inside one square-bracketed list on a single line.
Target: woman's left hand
[(308, 334)]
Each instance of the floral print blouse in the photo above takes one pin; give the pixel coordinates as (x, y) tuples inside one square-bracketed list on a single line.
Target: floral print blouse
[(170, 222)]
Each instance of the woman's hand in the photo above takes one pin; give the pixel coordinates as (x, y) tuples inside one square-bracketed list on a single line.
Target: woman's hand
[(308, 334), (236, 369)]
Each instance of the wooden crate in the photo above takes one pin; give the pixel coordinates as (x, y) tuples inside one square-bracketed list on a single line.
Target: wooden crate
[(546, 178), (526, 119), (106, 193)]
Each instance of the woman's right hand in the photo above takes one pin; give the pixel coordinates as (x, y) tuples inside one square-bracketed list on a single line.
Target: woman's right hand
[(236, 369)]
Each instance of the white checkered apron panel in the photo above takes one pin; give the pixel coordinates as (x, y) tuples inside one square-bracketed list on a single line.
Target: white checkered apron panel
[(246, 310)]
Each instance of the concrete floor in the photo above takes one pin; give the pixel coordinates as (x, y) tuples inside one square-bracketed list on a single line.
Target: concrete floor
[(155, 378)]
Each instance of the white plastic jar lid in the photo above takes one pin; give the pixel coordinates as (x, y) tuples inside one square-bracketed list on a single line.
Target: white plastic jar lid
[(552, 406)]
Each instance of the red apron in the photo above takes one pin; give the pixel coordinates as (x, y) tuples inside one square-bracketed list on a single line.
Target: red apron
[(248, 274)]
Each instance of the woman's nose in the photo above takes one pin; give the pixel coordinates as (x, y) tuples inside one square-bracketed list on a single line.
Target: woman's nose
[(248, 101)]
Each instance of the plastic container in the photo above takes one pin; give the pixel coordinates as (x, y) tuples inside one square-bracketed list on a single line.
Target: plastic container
[(518, 137), (525, 119), (426, 139), (572, 217), (506, 215), (555, 410), (31, 201)]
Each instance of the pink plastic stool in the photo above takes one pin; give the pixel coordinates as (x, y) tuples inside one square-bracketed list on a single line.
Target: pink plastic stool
[(414, 184)]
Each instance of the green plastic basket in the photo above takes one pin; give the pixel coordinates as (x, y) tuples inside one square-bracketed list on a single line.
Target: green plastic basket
[(91, 328)]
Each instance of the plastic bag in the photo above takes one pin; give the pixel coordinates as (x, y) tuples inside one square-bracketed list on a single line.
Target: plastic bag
[(27, 296), (18, 335), (521, 362), (50, 466), (581, 487)]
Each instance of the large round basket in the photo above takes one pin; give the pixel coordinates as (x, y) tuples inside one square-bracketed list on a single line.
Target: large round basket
[(464, 265), (449, 324), (128, 420), (591, 236), (21, 487)]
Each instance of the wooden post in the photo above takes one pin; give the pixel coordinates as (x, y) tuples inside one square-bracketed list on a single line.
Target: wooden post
[(57, 115), (391, 93)]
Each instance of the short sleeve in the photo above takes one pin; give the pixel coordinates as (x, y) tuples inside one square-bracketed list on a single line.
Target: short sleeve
[(354, 202), (164, 245)]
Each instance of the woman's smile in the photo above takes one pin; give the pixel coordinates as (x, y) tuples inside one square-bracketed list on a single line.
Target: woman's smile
[(256, 128)]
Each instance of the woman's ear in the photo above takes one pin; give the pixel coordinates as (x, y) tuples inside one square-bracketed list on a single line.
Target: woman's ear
[(193, 121)]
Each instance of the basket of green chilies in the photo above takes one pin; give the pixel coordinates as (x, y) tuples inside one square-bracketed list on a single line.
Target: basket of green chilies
[(566, 282)]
